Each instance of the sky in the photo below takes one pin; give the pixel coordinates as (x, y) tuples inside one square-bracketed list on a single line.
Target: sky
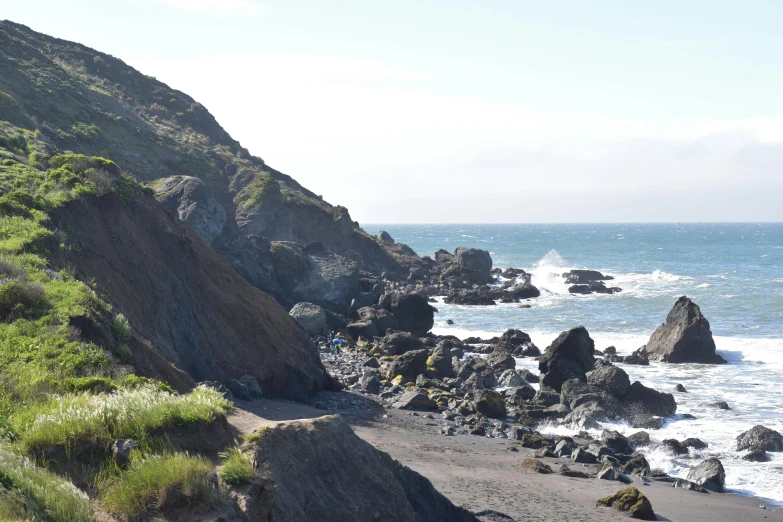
[(476, 112)]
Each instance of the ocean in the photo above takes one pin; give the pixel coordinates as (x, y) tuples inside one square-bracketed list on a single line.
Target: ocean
[(733, 271)]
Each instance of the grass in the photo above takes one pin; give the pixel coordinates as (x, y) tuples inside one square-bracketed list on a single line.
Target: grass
[(28, 492), (123, 414), (154, 482), (261, 190), (257, 435), (121, 328), (237, 467)]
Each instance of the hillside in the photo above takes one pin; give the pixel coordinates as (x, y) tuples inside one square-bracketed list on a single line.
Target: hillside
[(87, 102)]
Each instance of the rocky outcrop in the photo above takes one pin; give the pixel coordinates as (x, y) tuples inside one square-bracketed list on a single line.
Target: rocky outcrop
[(610, 378), (474, 264), (385, 237), (760, 437), (709, 474), (684, 337), (192, 201), (260, 207), (414, 314), (570, 356), (320, 470)]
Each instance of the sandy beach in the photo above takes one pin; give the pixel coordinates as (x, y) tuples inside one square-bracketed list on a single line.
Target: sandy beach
[(484, 474)]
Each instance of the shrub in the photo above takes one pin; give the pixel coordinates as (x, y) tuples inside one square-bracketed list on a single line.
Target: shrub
[(155, 481), (121, 327), (90, 384), (123, 414), (237, 467), (28, 492), (20, 299), (134, 381)]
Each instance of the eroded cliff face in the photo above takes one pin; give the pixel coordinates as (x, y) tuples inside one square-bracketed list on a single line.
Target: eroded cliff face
[(186, 306)]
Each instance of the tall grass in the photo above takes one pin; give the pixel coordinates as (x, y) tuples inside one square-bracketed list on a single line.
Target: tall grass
[(125, 413), (28, 492), (154, 482), (237, 467)]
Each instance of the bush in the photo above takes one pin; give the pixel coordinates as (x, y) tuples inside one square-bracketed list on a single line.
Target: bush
[(121, 328), (123, 414), (237, 467), (28, 492), (90, 384), (20, 299), (157, 481)]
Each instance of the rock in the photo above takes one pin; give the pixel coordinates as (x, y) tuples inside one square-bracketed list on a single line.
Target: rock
[(630, 500), (239, 390), (121, 450), (414, 314), (684, 337), (757, 455), (611, 350), (511, 379), (398, 343), (252, 386), (528, 375), (721, 405), (524, 392), (192, 201), (311, 317), (709, 474), (636, 465), (568, 472), (583, 456), (584, 276), (415, 400), (382, 319), (515, 337), (444, 257), (680, 388), (364, 329), (536, 441), (648, 401), (409, 365), (610, 378), (565, 448), (694, 443), (385, 237), (570, 356), (611, 473), (760, 437), (536, 466), (640, 438), (523, 290), (469, 298), (440, 363), (616, 442), (593, 288), (687, 484), (544, 452), (490, 404), (370, 383), (500, 359), (674, 447), (518, 432), (475, 264), (372, 362)]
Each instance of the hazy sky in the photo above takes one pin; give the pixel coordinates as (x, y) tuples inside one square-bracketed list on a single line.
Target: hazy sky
[(494, 111)]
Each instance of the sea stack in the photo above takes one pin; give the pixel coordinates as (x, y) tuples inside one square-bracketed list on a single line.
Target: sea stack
[(685, 337)]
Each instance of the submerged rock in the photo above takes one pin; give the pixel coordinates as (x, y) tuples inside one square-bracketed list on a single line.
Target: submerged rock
[(684, 337)]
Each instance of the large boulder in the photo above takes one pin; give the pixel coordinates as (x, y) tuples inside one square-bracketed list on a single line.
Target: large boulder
[(320, 470), (385, 237), (610, 378), (311, 317), (383, 320), (709, 474), (398, 343), (415, 400), (192, 201), (409, 365), (684, 337), (490, 404), (475, 264), (500, 359), (630, 500), (760, 437), (641, 400), (414, 314), (570, 356)]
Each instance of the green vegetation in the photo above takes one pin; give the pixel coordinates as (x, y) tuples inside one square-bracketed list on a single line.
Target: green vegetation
[(261, 190), (237, 467), (152, 482), (257, 435), (28, 492), (123, 414), (121, 327)]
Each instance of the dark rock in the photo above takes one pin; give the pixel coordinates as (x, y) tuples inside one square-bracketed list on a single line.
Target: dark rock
[(610, 378), (544, 452), (709, 474), (648, 401), (687, 484), (680, 388), (535, 466), (630, 500), (583, 456), (584, 276), (372, 362), (757, 455), (490, 404), (611, 350), (469, 298), (515, 337), (474, 263), (252, 386), (528, 375), (523, 290), (239, 390), (684, 337), (382, 319), (440, 363), (511, 379), (192, 201), (518, 432), (385, 237), (616, 441), (568, 472), (570, 356), (364, 329), (398, 343), (414, 400), (370, 383), (546, 398), (694, 443), (311, 317), (721, 405), (536, 441), (674, 447), (640, 438), (500, 359), (760, 437), (410, 365), (524, 393), (636, 465), (414, 314), (565, 448)]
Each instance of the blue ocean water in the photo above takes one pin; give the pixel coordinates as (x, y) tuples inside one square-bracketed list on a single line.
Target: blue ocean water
[(733, 271)]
